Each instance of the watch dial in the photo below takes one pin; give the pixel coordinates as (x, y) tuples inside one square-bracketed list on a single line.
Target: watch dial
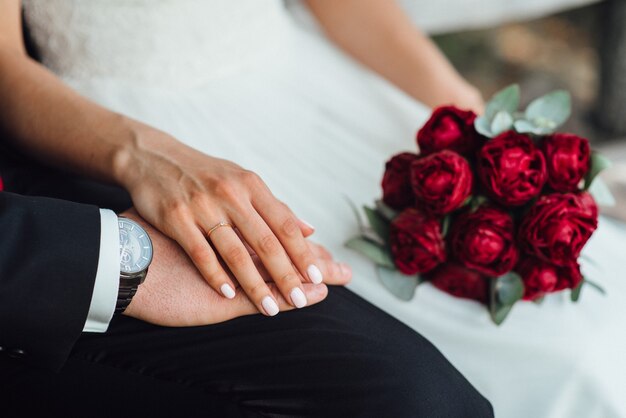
[(135, 247)]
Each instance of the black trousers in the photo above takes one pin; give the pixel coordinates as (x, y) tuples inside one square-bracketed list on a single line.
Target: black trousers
[(341, 358)]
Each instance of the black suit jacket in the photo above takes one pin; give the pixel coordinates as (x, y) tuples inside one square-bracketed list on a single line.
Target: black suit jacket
[(49, 248)]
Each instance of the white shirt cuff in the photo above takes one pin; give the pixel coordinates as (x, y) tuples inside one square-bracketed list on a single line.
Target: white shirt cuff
[(107, 281)]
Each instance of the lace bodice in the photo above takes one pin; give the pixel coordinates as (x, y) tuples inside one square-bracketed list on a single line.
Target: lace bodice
[(157, 42)]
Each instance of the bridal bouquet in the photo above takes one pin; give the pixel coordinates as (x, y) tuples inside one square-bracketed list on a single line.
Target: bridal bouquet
[(495, 208)]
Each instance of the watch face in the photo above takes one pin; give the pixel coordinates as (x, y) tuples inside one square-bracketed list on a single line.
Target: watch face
[(135, 247)]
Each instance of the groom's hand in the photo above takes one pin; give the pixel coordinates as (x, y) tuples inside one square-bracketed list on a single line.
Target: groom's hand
[(175, 294)]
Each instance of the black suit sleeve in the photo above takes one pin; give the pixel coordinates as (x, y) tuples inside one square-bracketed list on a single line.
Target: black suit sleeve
[(49, 253)]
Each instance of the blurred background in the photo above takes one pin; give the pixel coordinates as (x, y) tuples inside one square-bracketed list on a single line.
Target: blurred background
[(578, 48)]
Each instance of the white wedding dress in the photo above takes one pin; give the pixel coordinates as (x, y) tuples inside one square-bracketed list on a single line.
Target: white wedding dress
[(240, 80)]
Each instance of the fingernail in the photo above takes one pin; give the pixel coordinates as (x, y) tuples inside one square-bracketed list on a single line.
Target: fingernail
[(314, 274), (298, 298), (270, 306), (307, 224), (227, 291)]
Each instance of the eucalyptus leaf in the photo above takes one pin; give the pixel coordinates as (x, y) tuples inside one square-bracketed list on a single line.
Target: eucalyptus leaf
[(379, 224), (384, 210), (523, 126), (601, 193), (477, 201), (499, 313), (357, 214), (575, 293), (596, 286), (598, 164), (506, 100), (550, 111), (445, 225), (497, 310), (375, 252), (483, 127), (509, 288), (502, 122), (400, 285)]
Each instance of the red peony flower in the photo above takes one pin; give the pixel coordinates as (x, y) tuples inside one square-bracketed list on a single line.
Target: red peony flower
[(589, 204), (557, 227), (511, 168), (441, 181), (449, 128), (416, 242), (541, 277), (567, 160), (397, 191), (460, 282), (484, 241)]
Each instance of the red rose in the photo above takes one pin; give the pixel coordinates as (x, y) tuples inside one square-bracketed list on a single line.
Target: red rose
[(484, 241), (589, 204), (511, 168), (449, 128), (416, 242), (460, 282), (567, 160), (397, 191), (1, 185), (441, 181), (541, 277), (557, 228)]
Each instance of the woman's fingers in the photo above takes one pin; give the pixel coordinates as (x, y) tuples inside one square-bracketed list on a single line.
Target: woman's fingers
[(266, 245), (284, 225), (238, 260), (204, 258), (241, 304), (306, 228)]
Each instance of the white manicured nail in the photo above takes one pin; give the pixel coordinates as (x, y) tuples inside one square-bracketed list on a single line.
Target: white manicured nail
[(314, 274), (298, 298), (227, 291), (307, 224), (270, 306)]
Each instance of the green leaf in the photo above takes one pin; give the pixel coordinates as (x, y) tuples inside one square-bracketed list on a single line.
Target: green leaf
[(601, 193), (483, 127), (550, 111), (400, 285), (477, 201), (575, 293), (503, 293), (379, 224), (509, 288), (503, 121), (499, 313), (375, 252), (445, 225), (523, 126), (539, 300), (357, 215), (384, 210), (598, 164), (596, 286), (506, 100)]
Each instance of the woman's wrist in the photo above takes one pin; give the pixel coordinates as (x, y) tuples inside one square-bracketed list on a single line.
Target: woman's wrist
[(131, 158)]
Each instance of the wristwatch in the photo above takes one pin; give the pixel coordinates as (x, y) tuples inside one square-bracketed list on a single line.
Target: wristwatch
[(135, 258)]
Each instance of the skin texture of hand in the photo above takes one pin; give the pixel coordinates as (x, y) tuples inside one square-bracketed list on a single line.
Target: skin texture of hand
[(175, 294)]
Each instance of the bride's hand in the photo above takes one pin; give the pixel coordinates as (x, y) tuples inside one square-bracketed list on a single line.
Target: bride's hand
[(185, 194)]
